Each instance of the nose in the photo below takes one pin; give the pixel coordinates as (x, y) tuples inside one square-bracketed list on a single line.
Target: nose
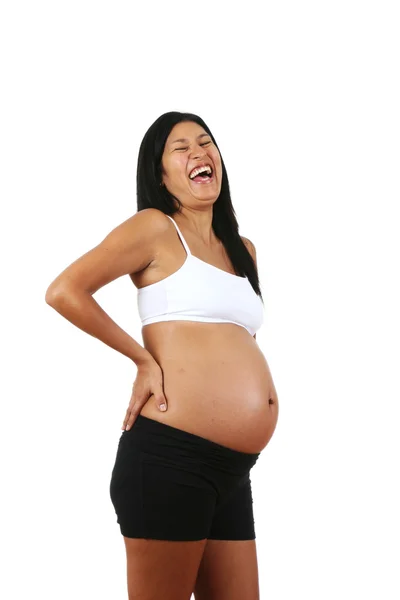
[(198, 151)]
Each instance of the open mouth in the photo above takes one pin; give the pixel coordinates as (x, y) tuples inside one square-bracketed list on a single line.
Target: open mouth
[(203, 179), (203, 174)]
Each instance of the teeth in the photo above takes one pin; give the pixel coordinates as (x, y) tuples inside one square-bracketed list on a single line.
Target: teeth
[(206, 169)]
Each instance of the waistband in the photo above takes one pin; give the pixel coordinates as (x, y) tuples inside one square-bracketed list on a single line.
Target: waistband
[(161, 439)]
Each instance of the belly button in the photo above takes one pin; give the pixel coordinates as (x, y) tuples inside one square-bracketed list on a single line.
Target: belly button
[(271, 401)]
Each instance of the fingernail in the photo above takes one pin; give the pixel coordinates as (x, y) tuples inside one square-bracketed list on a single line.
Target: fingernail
[(163, 407)]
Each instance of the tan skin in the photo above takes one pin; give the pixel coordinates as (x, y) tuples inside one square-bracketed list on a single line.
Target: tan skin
[(210, 370), (213, 377)]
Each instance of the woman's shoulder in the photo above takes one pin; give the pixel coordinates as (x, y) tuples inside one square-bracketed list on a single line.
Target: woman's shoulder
[(152, 217), (250, 247)]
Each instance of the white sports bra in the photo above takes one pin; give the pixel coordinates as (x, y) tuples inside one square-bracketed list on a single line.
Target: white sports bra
[(198, 291)]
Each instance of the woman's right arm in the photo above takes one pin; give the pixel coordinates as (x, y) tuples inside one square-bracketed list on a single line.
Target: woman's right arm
[(128, 248)]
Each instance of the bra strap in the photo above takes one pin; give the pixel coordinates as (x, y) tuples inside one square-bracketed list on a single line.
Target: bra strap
[(180, 235)]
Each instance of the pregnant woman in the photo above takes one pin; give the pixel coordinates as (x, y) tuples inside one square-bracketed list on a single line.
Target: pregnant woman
[(181, 485)]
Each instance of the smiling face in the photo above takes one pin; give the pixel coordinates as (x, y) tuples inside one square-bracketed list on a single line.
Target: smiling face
[(189, 146)]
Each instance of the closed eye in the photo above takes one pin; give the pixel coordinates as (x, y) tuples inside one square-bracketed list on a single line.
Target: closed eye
[(205, 144)]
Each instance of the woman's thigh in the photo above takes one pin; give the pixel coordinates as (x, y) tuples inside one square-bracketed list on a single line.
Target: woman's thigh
[(162, 569), (228, 571)]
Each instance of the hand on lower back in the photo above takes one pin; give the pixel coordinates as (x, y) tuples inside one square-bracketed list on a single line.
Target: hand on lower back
[(148, 382)]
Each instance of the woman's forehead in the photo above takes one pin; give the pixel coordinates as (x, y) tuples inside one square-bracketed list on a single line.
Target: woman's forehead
[(185, 130)]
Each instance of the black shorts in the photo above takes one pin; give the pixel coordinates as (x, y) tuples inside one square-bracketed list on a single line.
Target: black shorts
[(169, 484)]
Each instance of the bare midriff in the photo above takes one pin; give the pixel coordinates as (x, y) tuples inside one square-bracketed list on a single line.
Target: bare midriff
[(216, 381)]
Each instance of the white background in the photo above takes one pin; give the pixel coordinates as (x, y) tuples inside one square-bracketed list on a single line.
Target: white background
[(303, 99)]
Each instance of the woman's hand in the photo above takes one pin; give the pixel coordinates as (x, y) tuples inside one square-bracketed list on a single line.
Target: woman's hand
[(148, 382)]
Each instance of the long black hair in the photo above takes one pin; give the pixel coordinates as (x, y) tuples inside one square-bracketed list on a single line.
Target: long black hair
[(150, 194)]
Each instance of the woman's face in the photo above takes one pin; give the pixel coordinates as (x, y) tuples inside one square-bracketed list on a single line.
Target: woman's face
[(187, 147)]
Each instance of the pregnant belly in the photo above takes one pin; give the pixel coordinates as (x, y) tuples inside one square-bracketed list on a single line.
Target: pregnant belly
[(217, 383)]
